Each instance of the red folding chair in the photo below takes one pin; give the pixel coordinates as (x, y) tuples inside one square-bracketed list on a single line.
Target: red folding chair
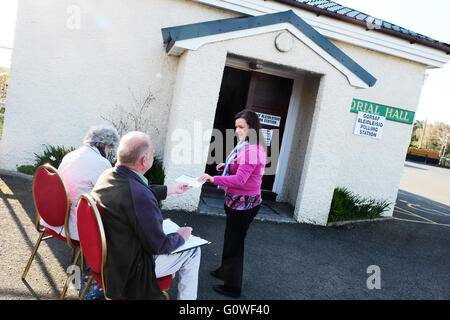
[(93, 246), (52, 203)]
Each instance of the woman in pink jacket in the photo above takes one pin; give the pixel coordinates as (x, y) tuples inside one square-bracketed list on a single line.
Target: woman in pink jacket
[(241, 179)]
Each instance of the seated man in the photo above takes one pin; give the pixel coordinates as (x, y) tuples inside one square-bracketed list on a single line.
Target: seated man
[(138, 248)]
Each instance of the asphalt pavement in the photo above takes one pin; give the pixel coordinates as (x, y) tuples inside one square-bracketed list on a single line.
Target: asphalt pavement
[(424, 195)]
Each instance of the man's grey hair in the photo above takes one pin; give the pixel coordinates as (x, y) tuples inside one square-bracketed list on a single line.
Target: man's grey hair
[(132, 147), (101, 137)]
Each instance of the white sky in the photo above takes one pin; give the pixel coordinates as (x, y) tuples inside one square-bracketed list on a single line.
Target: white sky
[(8, 9), (426, 17)]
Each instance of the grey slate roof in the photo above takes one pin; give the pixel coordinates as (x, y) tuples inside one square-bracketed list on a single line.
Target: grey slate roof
[(172, 34), (358, 16)]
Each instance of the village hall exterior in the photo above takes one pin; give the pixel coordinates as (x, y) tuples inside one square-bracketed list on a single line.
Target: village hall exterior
[(336, 89)]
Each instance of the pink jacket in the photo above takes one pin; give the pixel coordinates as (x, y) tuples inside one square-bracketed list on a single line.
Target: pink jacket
[(246, 172)]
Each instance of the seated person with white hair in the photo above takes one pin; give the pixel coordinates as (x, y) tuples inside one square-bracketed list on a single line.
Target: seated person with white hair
[(81, 168), (138, 249)]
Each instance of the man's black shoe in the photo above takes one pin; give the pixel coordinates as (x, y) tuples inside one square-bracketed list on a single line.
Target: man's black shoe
[(226, 292), (216, 274)]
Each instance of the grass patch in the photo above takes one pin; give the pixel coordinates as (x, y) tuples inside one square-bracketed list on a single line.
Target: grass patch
[(27, 169), (348, 206), (2, 119)]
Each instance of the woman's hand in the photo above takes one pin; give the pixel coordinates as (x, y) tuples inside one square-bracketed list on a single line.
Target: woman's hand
[(206, 177), (220, 167)]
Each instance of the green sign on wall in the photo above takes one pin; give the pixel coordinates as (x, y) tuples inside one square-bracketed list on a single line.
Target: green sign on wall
[(391, 113)]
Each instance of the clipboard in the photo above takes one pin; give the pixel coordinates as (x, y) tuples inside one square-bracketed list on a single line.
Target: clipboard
[(192, 242)]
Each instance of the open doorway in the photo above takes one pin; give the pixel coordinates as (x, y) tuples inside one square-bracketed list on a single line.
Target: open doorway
[(266, 94)]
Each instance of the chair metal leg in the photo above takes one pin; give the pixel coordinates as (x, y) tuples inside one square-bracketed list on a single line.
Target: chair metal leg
[(77, 256), (36, 247), (66, 285), (88, 284), (74, 262)]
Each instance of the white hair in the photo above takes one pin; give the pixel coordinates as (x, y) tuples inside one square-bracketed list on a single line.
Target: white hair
[(101, 137)]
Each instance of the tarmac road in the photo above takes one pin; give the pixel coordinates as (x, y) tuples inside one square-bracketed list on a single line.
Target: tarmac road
[(424, 194), (298, 261)]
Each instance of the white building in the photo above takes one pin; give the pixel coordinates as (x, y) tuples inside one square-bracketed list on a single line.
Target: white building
[(76, 63)]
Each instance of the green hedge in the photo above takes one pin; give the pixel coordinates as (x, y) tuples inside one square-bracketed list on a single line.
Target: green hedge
[(346, 205)]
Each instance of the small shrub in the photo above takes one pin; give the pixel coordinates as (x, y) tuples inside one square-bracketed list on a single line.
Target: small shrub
[(346, 205), (111, 156), (27, 169), (156, 174), (52, 155)]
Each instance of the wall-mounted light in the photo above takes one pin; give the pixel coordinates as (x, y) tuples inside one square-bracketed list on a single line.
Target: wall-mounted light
[(256, 65)]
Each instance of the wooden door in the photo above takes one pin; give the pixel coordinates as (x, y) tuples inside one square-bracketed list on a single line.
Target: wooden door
[(269, 96)]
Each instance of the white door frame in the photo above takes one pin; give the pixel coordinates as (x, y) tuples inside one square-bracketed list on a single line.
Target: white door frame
[(288, 135)]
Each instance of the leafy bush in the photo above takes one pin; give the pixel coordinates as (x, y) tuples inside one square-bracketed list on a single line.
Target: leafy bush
[(156, 174), (349, 206), (51, 154), (27, 169), (111, 156)]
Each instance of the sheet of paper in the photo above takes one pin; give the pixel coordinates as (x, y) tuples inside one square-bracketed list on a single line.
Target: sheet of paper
[(190, 180), (169, 226)]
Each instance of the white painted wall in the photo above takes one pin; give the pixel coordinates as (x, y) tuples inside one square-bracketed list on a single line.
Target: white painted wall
[(64, 80), (301, 138), (379, 163), (338, 158), (191, 118)]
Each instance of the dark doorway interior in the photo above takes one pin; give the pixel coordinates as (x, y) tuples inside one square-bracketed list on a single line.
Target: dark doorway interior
[(232, 99)]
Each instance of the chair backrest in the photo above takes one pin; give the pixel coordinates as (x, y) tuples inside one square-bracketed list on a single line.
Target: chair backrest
[(91, 234), (50, 195)]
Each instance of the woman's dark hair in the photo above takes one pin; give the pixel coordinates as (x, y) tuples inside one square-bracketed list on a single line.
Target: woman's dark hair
[(255, 133)]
